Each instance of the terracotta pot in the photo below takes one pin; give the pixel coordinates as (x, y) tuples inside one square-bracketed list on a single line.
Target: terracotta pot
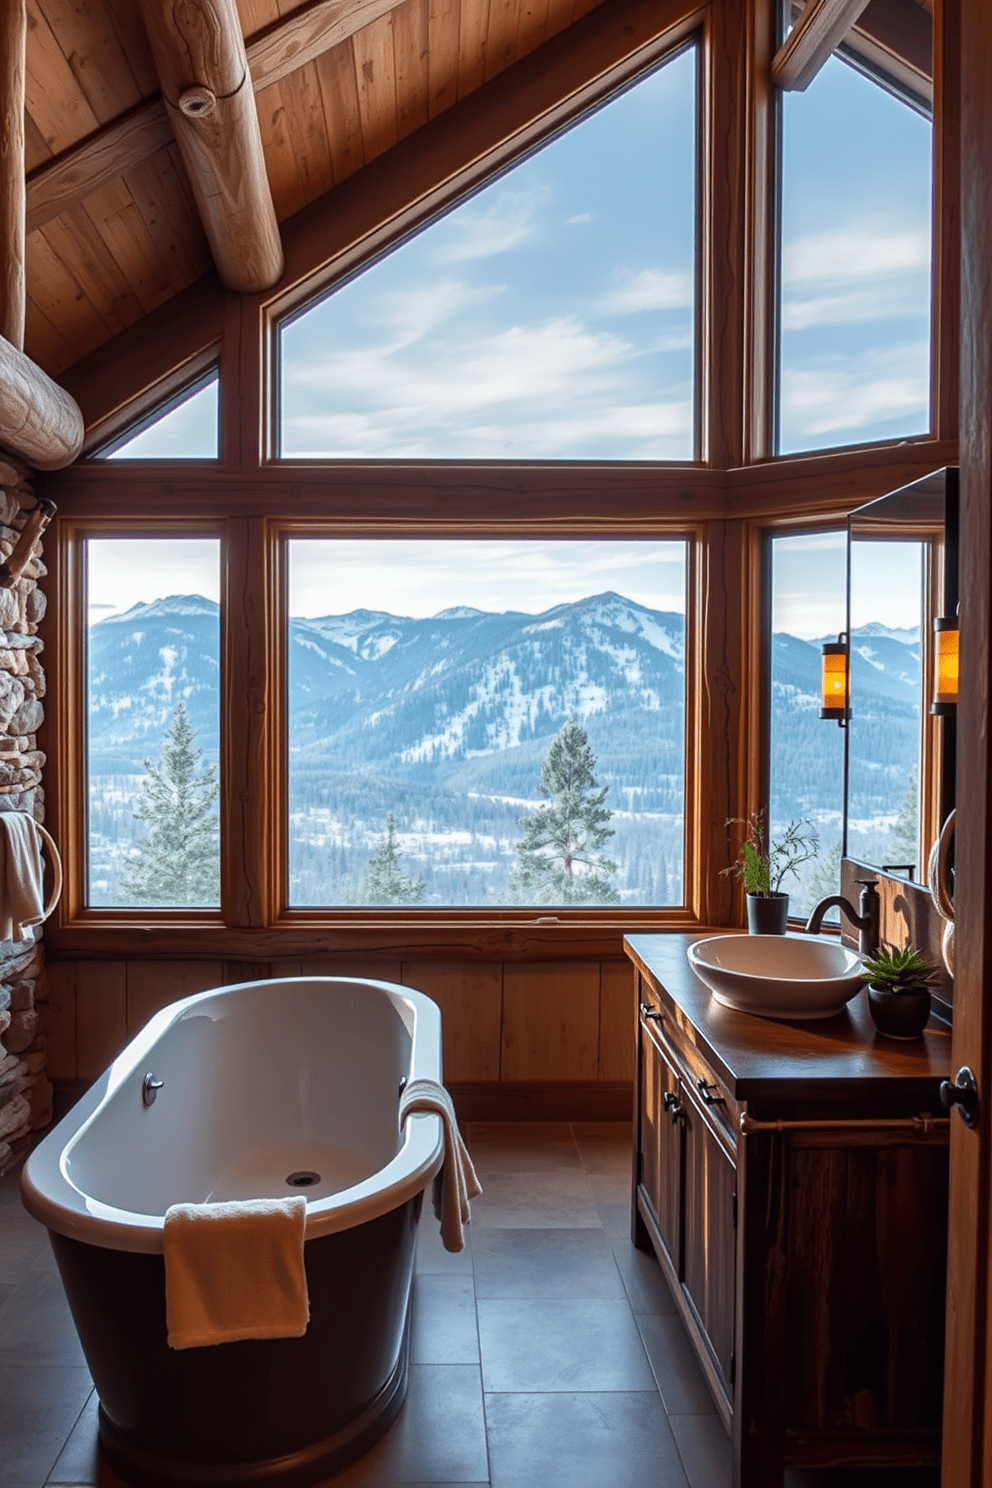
[(901, 1015), (767, 914)]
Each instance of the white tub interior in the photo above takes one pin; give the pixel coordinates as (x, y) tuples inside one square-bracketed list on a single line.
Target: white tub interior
[(260, 1082)]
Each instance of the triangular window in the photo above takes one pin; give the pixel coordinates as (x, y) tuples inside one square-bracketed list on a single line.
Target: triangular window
[(551, 316), (185, 428)]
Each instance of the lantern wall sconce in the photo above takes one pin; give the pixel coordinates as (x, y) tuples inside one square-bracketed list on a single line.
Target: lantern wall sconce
[(835, 692), (945, 677)]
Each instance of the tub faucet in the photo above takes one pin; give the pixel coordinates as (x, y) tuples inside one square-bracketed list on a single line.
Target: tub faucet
[(866, 919)]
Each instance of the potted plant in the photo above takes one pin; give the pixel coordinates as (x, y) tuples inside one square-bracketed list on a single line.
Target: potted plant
[(763, 864), (899, 985)]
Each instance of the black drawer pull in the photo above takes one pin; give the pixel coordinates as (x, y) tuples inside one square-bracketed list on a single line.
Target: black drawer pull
[(709, 1092), (647, 1012)]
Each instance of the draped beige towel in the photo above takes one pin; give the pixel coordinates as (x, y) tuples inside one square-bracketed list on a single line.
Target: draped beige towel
[(235, 1270), (456, 1183), (22, 875)]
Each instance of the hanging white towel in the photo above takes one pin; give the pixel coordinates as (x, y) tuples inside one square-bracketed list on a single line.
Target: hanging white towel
[(456, 1183), (235, 1270), (22, 875)]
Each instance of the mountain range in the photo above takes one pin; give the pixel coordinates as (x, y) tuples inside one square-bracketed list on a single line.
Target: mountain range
[(445, 721)]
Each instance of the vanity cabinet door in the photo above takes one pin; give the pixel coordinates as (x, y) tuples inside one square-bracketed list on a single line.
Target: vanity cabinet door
[(710, 1235), (661, 1147)]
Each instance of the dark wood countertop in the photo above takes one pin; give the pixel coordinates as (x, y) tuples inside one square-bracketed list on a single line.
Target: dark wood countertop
[(767, 1059)]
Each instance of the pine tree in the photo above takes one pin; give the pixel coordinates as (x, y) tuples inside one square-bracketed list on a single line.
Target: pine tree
[(558, 858), (905, 829), (178, 860), (384, 884)]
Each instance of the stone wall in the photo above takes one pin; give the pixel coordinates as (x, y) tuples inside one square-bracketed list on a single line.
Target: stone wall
[(25, 1090)]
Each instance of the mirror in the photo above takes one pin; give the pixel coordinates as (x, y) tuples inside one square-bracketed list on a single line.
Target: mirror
[(899, 755)]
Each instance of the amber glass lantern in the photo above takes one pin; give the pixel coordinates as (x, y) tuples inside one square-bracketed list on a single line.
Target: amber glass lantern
[(945, 678), (834, 695)]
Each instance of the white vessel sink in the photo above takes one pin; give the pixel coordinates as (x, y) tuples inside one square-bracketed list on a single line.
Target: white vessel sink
[(778, 976)]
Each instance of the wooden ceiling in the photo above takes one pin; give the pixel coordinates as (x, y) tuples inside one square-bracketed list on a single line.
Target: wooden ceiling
[(112, 229)]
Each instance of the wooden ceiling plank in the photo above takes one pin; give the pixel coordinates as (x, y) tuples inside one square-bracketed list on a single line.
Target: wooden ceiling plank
[(410, 48), (60, 295), (125, 17), (443, 25), (49, 348), (818, 32), (53, 98), (96, 58), (501, 41), (79, 245), (280, 156), (200, 57), (339, 91), (13, 39), (559, 17), (102, 157), (308, 128), (376, 75), (36, 151), (473, 31), (116, 217), (307, 33), (256, 15), (158, 187), (532, 25), (582, 8)]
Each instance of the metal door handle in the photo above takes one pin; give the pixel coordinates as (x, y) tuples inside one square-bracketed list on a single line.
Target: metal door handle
[(647, 1011), (963, 1093), (709, 1092)]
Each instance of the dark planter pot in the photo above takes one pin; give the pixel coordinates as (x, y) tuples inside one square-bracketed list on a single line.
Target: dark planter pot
[(901, 1015), (767, 914)]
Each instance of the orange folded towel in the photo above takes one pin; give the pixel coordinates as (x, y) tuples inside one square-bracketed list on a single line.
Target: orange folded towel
[(235, 1270)]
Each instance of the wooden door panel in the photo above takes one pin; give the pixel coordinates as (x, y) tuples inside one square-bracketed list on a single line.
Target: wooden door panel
[(710, 1236), (661, 1149)]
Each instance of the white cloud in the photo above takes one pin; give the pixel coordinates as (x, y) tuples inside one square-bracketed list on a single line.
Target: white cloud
[(505, 222), (880, 386), (580, 219), (651, 289), (867, 253)]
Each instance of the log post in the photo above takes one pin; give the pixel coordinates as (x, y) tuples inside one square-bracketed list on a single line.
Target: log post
[(39, 421), (199, 52), (13, 35)]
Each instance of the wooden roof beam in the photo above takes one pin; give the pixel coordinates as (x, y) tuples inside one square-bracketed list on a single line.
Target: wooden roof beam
[(13, 37), (199, 54), (272, 53), (818, 32)]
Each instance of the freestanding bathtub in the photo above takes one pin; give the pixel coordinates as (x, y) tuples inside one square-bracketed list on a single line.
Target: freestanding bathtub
[(267, 1088)]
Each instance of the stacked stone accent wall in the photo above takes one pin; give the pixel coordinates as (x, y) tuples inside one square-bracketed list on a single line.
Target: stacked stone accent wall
[(25, 1090)]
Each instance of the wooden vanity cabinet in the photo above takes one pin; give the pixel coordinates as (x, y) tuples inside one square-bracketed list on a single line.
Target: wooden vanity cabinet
[(798, 1208)]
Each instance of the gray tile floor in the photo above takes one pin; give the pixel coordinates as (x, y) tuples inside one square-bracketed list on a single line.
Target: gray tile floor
[(547, 1353)]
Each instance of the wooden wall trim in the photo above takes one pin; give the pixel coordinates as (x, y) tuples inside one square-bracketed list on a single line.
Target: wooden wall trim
[(946, 273), (723, 175), (967, 1435), (834, 481), (396, 497)]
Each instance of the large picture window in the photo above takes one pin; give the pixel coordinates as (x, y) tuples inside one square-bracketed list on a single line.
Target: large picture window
[(152, 720), (855, 267), (551, 316), (486, 723)]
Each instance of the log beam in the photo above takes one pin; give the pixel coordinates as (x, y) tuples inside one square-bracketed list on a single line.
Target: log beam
[(273, 53), (39, 421), (13, 36), (207, 89), (818, 32)]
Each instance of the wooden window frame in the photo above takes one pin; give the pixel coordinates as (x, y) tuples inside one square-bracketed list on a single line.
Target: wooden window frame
[(254, 920)]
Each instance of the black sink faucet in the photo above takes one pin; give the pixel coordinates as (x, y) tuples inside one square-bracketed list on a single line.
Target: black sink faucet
[(866, 922)]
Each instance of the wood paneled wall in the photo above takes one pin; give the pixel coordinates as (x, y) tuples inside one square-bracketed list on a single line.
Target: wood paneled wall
[(554, 1023)]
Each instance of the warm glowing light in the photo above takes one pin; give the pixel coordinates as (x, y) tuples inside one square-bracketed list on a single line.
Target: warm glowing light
[(834, 701), (945, 686)]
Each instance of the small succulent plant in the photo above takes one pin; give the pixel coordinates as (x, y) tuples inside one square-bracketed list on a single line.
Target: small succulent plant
[(900, 971)]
